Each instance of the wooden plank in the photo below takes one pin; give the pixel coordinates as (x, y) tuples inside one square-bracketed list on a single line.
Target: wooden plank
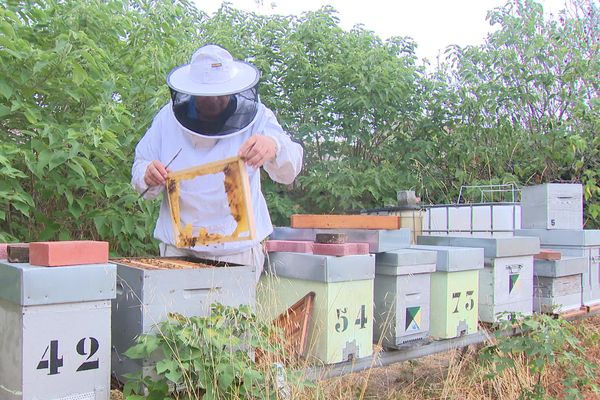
[(571, 314), (331, 221)]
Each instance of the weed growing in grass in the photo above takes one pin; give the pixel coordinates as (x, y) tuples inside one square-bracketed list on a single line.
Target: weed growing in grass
[(211, 358), (541, 342)]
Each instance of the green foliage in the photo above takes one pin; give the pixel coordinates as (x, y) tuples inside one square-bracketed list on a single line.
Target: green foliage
[(524, 104), (208, 356), (78, 85), (80, 82), (544, 342)]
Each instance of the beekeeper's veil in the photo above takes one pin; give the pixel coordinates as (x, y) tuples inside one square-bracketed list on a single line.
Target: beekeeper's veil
[(214, 96)]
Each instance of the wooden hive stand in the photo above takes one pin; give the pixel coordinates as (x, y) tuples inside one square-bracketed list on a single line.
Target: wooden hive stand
[(237, 188)]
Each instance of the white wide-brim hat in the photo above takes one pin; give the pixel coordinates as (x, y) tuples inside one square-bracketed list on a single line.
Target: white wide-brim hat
[(213, 72)]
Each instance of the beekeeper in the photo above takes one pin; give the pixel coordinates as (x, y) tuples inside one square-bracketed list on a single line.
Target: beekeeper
[(214, 113)]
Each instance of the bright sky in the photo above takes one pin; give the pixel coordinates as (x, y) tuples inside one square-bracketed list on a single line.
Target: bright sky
[(434, 24)]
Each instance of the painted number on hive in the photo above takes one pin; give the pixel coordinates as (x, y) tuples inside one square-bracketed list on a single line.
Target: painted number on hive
[(52, 359), (470, 302), (342, 324)]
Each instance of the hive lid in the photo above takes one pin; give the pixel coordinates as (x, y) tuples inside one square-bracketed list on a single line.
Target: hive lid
[(493, 247), (379, 240), (454, 259), (409, 256), (320, 268), (564, 237), (557, 268), (26, 285)]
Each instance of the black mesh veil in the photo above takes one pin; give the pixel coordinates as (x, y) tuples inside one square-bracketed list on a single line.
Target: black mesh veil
[(238, 114)]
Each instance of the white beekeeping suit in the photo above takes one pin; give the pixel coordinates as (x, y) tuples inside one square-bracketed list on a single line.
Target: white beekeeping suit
[(214, 112)]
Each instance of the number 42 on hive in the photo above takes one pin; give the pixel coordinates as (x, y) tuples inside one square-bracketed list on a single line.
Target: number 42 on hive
[(52, 359)]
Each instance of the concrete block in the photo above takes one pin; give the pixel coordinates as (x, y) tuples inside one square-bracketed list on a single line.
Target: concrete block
[(17, 253), (340, 249), (292, 246)]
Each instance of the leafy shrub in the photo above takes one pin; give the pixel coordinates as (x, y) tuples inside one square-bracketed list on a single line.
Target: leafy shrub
[(209, 357), (544, 341)]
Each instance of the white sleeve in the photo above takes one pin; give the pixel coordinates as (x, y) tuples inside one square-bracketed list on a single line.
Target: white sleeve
[(147, 150), (288, 159)]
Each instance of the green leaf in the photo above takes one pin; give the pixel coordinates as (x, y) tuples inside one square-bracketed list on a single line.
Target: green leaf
[(165, 365), (31, 116), (136, 352), (74, 165), (75, 95), (174, 375), (57, 158), (79, 74), (7, 29), (111, 190), (87, 166), (5, 90), (4, 111), (21, 207), (226, 378)]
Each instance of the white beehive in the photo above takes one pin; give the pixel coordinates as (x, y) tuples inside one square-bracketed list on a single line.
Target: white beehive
[(341, 326), (146, 296), (506, 282), (402, 296), (55, 331), (575, 243), (557, 284), (454, 291), (552, 206)]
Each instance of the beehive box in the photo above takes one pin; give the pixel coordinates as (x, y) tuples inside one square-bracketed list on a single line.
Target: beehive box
[(411, 217), (55, 331), (557, 284), (506, 282), (454, 291), (149, 289), (402, 297), (341, 327), (575, 243), (552, 206), (378, 240)]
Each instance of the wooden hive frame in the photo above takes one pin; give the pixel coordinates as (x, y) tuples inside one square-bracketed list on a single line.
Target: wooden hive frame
[(237, 188)]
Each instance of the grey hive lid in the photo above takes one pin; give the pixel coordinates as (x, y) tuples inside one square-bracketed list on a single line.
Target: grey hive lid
[(406, 257), (566, 266), (493, 247), (454, 259), (564, 237), (313, 267), (379, 240), (26, 285)]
